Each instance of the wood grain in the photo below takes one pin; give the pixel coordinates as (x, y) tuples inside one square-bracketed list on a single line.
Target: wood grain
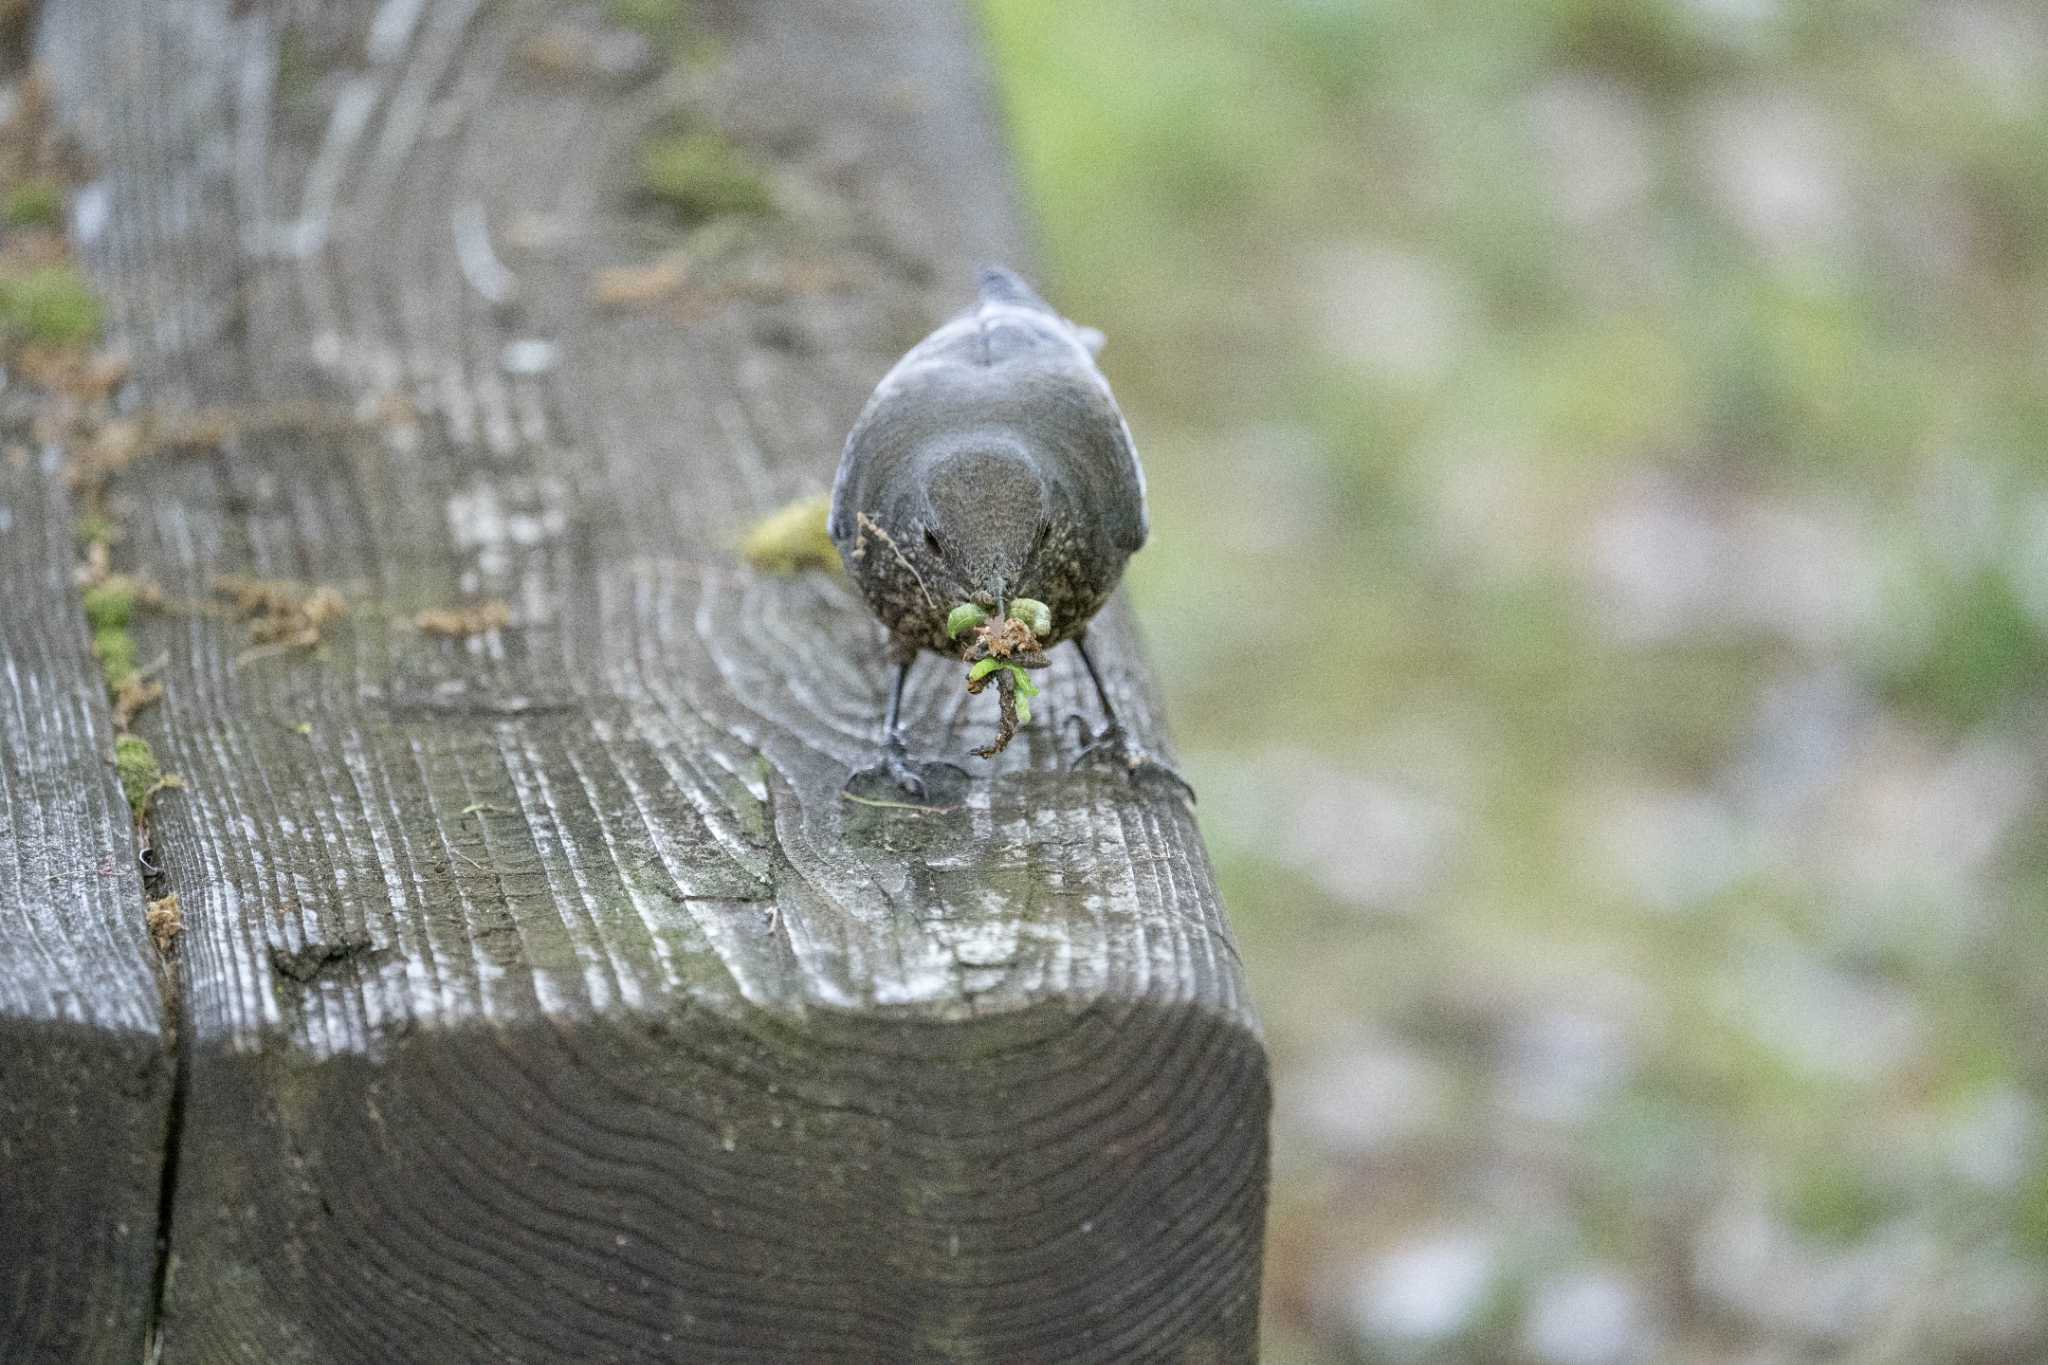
[(543, 998), (85, 1073)]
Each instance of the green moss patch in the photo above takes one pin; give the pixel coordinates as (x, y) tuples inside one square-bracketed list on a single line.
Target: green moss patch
[(97, 528), (50, 306), (110, 610), (115, 649), (702, 175), (141, 775), (110, 604), (793, 538)]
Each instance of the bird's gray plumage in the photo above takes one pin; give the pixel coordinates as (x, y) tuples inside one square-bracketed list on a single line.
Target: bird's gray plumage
[(991, 463)]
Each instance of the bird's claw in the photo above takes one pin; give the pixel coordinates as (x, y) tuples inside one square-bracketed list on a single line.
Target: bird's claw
[(904, 774), (1112, 747), (899, 780)]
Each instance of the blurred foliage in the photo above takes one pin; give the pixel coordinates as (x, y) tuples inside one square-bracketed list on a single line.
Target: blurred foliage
[(37, 203), (663, 20), (1599, 453)]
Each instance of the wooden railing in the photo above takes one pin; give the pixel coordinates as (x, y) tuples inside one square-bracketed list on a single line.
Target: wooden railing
[(538, 996)]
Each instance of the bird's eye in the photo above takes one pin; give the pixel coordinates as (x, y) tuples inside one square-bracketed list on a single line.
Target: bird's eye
[(931, 540), (1044, 531)]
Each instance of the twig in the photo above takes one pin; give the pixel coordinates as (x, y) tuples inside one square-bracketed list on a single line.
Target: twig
[(867, 523)]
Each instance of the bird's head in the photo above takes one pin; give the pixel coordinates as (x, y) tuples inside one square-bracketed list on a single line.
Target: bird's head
[(984, 512)]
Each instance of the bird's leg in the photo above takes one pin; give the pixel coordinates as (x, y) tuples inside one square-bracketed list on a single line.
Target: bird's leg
[(895, 752), (1110, 724), (1112, 743), (898, 779)]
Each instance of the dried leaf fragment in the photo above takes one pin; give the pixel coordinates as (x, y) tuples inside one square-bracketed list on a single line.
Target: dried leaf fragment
[(459, 623), (633, 286), (166, 921), (281, 614)]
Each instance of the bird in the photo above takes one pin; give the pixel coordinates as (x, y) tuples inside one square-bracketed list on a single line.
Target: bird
[(991, 465)]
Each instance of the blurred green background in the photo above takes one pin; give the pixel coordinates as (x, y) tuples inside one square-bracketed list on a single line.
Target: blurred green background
[(1599, 459)]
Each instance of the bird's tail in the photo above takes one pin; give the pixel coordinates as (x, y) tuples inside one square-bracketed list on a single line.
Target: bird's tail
[(999, 285)]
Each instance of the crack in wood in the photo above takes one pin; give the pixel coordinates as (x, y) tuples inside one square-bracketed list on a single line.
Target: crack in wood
[(308, 962)]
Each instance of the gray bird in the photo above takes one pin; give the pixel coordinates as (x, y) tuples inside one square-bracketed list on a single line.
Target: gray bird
[(991, 464)]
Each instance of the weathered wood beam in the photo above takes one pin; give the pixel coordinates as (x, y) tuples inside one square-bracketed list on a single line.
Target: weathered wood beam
[(542, 998), (85, 1071)]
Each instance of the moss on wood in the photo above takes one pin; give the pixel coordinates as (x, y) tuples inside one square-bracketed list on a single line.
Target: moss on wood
[(142, 777), (701, 175), (49, 306), (793, 538)]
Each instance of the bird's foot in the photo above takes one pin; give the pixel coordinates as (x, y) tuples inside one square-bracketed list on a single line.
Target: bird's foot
[(1113, 747), (900, 780)]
